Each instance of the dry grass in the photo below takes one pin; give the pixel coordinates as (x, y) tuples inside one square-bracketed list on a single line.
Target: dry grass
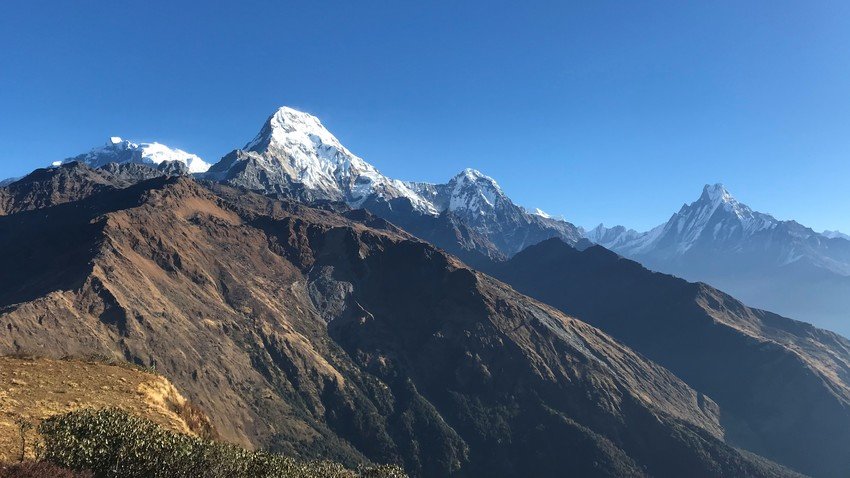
[(197, 420), (32, 389)]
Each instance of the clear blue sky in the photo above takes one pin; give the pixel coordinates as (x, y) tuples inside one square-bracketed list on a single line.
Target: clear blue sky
[(597, 110)]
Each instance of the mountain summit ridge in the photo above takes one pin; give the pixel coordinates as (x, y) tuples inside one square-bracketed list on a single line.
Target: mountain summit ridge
[(294, 154), (119, 150)]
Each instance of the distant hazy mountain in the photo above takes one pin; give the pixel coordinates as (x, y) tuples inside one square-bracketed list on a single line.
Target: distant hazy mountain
[(295, 155), (835, 235), (769, 263)]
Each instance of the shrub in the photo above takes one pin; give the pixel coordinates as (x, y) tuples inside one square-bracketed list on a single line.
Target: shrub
[(112, 443)]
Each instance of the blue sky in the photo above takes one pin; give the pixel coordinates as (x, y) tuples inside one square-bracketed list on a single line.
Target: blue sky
[(600, 111)]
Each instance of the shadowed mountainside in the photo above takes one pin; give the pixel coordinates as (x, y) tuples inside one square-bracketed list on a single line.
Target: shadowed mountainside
[(782, 385)]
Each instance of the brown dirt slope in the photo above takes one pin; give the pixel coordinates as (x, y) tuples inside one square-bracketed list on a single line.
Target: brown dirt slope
[(33, 389)]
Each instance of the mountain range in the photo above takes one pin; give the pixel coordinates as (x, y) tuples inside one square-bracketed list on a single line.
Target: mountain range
[(295, 155), (313, 306), (769, 263), (331, 335)]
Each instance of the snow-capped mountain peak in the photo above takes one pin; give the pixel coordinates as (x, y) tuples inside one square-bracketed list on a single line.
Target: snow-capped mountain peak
[(118, 150), (715, 216), (716, 197), (539, 212), (717, 193), (835, 235), (295, 155), (470, 174), (288, 126), (473, 191), (294, 150), (718, 209)]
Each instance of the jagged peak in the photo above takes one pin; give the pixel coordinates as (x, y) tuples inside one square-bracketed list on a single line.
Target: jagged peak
[(716, 204), (539, 212), (602, 229), (716, 197), (473, 191), (717, 192), (610, 235), (295, 145), (289, 126), (117, 143), (470, 175), (473, 174)]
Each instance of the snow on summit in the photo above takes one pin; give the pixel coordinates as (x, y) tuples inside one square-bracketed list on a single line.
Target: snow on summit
[(118, 150), (297, 147), (539, 212), (835, 235), (294, 154), (293, 127), (716, 197), (715, 216), (473, 191)]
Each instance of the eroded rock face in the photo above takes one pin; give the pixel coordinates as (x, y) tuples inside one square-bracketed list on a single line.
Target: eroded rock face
[(322, 335)]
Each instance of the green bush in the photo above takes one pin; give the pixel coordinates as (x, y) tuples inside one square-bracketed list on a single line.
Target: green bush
[(112, 443)]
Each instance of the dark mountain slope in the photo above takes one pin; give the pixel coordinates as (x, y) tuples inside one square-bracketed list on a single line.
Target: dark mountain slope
[(782, 385), (51, 186), (444, 230), (313, 334), (74, 181)]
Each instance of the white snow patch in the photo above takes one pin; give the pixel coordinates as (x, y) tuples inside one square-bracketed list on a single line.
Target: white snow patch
[(122, 151), (541, 213), (297, 144), (835, 235)]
